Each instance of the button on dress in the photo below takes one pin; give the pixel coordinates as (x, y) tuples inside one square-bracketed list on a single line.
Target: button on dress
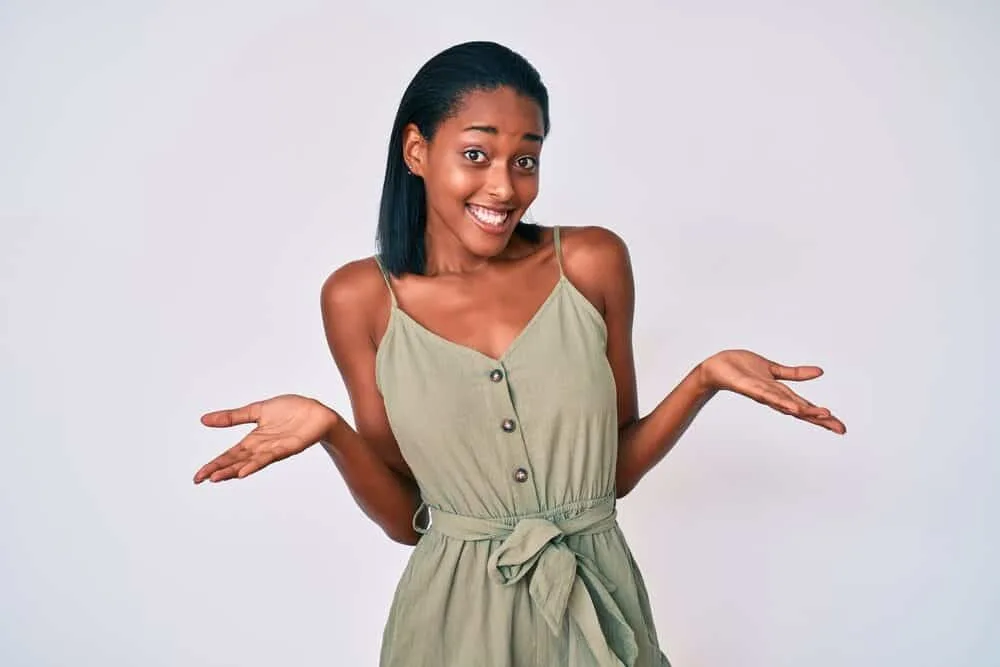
[(523, 563)]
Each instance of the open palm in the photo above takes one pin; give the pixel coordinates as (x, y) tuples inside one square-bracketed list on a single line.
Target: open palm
[(286, 425), (758, 378)]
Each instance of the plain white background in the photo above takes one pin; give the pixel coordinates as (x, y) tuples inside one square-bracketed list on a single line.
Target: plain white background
[(818, 184)]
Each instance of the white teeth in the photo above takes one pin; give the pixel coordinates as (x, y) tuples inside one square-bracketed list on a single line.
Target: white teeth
[(488, 216)]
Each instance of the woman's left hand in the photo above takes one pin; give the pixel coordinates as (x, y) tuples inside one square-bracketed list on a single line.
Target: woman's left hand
[(755, 377)]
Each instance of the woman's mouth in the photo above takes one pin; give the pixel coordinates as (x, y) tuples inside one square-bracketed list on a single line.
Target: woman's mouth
[(489, 219)]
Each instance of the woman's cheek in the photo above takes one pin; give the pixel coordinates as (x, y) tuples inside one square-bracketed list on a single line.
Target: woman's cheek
[(463, 183)]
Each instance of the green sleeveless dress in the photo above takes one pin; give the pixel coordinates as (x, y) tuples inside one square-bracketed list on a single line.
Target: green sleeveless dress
[(523, 563)]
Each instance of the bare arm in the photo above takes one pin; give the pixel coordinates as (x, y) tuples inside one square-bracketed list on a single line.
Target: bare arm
[(601, 265), (598, 262), (369, 457)]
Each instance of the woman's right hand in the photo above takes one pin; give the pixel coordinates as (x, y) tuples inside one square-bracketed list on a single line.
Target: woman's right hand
[(286, 425)]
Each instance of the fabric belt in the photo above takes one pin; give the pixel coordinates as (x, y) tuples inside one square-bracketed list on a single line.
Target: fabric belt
[(562, 582)]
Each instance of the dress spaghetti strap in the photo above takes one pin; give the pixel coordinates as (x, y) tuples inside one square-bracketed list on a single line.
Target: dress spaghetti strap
[(558, 245), (385, 277)]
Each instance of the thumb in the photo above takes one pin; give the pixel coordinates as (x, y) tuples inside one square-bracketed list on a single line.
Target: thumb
[(795, 373), (248, 414)]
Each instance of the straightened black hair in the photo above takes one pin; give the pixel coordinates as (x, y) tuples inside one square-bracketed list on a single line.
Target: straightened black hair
[(434, 95)]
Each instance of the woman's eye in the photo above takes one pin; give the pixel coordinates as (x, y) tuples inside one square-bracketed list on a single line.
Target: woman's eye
[(527, 163), (475, 155)]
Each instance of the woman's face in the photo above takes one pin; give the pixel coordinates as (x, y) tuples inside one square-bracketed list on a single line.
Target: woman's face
[(480, 171)]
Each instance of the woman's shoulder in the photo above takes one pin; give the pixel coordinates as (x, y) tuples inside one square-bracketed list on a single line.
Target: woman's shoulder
[(357, 288), (596, 260), (592, 249)]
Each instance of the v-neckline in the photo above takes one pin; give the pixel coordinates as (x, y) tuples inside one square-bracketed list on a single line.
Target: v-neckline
[(395, 309)]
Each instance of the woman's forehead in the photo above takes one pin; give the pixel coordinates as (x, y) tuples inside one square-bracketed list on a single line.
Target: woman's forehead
[(500, 111)]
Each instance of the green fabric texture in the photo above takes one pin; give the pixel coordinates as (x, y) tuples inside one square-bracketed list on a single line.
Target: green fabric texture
[(523, 563)]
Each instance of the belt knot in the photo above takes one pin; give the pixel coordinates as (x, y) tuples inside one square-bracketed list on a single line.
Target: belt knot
[(562, 583)]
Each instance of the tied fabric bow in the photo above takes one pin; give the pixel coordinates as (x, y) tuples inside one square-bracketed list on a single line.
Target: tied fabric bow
[(561, 582)]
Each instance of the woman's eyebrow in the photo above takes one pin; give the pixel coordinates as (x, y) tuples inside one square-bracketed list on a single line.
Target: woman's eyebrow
[(489, 129)]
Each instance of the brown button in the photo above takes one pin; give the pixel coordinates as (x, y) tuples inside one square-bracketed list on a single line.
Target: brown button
[(496, 375), (508, 425), (521, 475)]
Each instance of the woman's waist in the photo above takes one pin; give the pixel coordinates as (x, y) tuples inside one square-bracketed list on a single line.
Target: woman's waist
[(587, 515)]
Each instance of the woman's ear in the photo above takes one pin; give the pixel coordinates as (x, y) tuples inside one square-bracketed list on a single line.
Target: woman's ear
[(414, 150)]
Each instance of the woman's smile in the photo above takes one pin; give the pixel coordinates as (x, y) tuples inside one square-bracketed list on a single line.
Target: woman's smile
[(490, 220)]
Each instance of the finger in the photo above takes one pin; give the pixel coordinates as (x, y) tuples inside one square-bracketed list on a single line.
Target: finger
[(254, 466), (234, 454), (776, 400), (241, 469), (809, 414), (257, 455), (790, 404), (794, 373), (277, 450), (820, 412), (228, 472), (230, 456), (807, 408), (248, 414), (777, 396), (206, 471), (784, 400), (781, 397), (830, 423)]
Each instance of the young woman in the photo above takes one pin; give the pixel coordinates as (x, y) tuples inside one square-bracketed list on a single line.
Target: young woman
[(490, 372)]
